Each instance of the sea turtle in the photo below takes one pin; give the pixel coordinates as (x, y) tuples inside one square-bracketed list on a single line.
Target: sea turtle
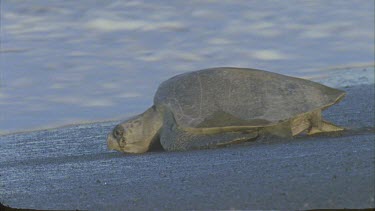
[(226, 105)]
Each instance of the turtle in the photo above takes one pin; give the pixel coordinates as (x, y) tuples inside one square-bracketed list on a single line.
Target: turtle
[(222, 106)]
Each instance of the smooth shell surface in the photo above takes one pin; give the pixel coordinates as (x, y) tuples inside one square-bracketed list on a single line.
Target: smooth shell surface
[(221, 97)]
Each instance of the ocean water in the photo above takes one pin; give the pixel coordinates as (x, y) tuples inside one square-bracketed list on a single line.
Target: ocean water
[(71, 62)]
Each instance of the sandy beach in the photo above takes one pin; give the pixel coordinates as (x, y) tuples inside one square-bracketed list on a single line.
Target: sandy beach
[(70, 168)]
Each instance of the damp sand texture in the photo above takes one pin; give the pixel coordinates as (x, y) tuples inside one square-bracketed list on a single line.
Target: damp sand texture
[(70, 168)]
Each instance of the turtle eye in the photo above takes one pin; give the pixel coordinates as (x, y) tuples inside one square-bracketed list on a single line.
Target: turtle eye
[(118, 131)]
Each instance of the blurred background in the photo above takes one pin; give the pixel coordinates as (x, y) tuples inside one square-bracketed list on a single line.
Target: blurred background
[(70, 62)]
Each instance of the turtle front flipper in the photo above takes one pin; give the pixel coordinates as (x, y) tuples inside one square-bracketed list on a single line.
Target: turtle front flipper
[(175, 138)]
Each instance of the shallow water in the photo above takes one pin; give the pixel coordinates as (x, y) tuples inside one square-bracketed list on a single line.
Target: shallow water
[(64, 62)]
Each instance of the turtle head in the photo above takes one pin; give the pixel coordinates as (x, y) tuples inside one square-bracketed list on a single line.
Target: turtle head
[(137, 134)]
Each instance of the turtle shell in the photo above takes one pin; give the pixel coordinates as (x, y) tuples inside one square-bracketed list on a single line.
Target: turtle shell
[(221, 97)]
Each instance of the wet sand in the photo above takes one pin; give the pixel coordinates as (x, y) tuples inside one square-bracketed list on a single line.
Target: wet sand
[(70, 168)]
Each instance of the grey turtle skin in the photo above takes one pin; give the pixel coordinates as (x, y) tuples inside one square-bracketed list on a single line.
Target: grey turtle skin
[(221, 106)]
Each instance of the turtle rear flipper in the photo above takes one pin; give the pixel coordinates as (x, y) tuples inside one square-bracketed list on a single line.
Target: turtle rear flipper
[(175, 138), (319, 125), (325, 127)]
